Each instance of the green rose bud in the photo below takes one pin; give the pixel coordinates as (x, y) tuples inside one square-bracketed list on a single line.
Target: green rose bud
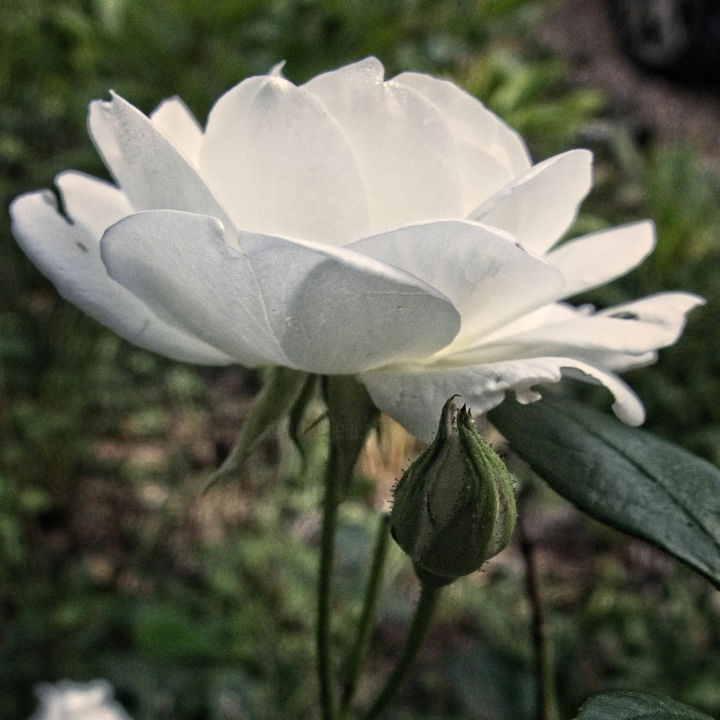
[(454, 507)]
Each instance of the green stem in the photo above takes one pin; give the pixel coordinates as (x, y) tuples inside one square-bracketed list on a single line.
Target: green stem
[(547, 698), (416, 635), (350, 414), (327, 557), (372, 594)]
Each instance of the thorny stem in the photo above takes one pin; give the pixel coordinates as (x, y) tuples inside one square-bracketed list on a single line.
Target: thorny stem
[(416, 635), (372, 594)]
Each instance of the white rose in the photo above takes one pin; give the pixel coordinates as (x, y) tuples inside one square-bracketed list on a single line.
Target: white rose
[(78, 701), (395, 230)]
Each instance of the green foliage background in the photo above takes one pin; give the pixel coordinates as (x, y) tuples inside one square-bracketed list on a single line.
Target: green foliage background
[(111, 562)]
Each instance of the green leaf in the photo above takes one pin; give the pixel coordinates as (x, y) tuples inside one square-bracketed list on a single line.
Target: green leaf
[(297, 414), (281, 390), (627, 705), (623, 476)]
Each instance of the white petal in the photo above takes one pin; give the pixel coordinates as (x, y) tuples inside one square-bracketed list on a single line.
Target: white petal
[(277, 69), (545, 315), (281, 165), (68, 255), (483, 272), (92, 203), (404, 147), (627, 405), (483, 174), (666, 311), (593, 339), (595, 259), (151, 171), (489, 153), (414, 395), (175, 121), (539, 206), (180, 265), (317, 308), (472, 121), (617, 338)]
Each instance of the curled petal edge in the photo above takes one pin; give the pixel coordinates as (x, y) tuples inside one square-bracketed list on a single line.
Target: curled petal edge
[(413, 395)]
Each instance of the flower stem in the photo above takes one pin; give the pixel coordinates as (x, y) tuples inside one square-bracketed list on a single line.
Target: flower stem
[(351, 413), (372, 594), (419, 627), (327, 556), (547, 699)]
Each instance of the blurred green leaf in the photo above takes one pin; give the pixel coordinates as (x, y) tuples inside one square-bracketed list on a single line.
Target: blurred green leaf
[(620, 475), (636, 706)]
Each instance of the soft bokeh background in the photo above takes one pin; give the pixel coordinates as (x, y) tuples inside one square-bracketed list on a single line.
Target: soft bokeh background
[(112, 561)]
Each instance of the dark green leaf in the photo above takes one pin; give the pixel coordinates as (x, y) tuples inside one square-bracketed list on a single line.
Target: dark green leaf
[(624, 476), (636, 706)]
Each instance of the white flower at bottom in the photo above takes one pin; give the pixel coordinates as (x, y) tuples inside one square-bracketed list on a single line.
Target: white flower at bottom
[(67, 700), (395, 230)]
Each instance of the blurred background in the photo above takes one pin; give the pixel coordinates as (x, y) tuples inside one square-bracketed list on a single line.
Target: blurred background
[(114, 564)]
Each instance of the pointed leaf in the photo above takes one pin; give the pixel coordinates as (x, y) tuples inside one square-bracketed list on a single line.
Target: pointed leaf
[(627, 705), (281, 390), (297, 414), (623, 476)]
